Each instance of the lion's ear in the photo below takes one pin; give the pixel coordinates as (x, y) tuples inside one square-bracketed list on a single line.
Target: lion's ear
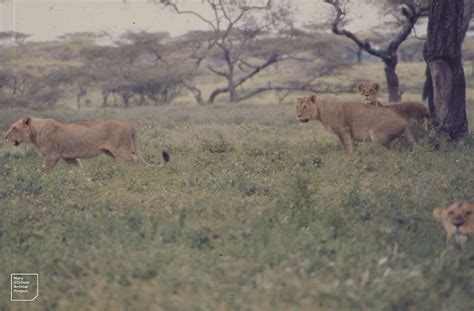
[(313, 98), (376, 87), (438, 213), (361, 87), (26, 121)]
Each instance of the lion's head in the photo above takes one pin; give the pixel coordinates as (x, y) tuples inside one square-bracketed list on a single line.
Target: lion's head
[(369, 93), (457, 220), (19, 131), (306, 108)]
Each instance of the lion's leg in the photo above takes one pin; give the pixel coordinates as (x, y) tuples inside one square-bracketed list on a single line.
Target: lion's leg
[(124, 155), (409, 136), (346, 140), (50, 163), (73, 161), (385, 140), (382, 140), (136, 154), (107, 152)]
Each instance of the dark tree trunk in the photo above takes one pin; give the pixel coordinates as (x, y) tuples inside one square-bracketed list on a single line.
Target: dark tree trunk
[(359, 56), (105, 97), (15, 85), (446, 86), (392, 79), (126, 100), (232, 91)]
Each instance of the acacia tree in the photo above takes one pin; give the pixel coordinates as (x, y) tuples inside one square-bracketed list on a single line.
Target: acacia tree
[(17, 37), (446, 86), (134, 68), (135, 43), (234, 26), (410, 11)]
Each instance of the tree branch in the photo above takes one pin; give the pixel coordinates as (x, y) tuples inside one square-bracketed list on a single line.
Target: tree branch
[(196, 92), (411, 13), (273, 59), (217, 72), (167, 3), (340, 15)]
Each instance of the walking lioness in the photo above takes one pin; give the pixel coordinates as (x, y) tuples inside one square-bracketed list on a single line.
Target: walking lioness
[(352, 121), (73, 141)]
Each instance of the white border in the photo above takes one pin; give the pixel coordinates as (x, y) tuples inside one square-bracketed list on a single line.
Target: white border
[(11, 286)]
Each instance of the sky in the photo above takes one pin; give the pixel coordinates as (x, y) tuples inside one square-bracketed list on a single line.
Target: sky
[(45, 20)]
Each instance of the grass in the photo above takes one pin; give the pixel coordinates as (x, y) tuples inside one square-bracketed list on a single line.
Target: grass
[(255, 211)]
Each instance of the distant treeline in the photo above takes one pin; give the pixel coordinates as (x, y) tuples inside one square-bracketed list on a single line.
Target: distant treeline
[(152, 68)]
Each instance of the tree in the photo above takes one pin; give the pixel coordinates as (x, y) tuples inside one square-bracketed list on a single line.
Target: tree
[(136, 43), (445, 87), (235, 25), (134, 68), (410, 12), (17, 37)]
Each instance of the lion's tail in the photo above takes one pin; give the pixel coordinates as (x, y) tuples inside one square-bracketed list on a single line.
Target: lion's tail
[(165, 153)]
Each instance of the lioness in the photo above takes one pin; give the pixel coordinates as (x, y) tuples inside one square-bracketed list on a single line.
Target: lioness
[(350, 121), (73, 141), (457, 220), (407, 110)]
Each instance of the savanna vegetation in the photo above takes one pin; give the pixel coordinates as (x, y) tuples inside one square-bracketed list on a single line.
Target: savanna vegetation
[(255, 210)]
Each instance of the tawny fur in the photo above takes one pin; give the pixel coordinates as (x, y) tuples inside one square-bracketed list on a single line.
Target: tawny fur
[(73, 141), (408, 110), (457, 220), (352, 121)]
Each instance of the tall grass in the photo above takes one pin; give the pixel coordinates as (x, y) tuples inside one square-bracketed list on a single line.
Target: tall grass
[(255, 211)]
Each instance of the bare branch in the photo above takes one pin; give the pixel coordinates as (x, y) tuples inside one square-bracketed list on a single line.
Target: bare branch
[(216, 92), (271, 60), (217, 72), (340, 15), (167, 3), (411, 13), (195, 91)]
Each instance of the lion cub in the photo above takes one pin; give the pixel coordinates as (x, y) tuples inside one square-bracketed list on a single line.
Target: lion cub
[(457, 220), (73, 141), (351, 121), (407, 110)]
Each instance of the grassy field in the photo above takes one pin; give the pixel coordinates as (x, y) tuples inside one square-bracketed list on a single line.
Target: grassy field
[(255, 211)]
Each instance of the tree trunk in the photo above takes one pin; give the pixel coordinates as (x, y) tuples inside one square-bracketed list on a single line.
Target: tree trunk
[(446, 85), (126, 100), (232, 91), (359, 56), (230, 81), (392, 80), (449, 96), (105, 97)]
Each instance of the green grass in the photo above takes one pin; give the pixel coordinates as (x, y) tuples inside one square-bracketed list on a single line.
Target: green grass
[(255, 211)]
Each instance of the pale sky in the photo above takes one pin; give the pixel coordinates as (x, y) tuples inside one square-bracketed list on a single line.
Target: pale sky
[(48, 19)]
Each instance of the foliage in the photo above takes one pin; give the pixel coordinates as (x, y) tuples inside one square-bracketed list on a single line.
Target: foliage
[(254, 211)]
